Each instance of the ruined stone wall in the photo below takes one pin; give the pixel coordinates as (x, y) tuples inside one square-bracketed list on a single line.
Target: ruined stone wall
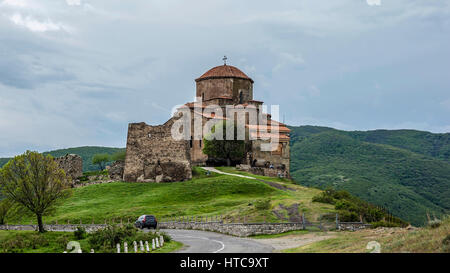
[(72, 165), (272, 157), (154, 156)]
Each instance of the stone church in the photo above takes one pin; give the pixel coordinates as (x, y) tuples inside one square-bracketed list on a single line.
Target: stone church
[(153, 155)]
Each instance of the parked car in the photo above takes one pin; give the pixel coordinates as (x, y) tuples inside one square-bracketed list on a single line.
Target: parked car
[(146, 221)]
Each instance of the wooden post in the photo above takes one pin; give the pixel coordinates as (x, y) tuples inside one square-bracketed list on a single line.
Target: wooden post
[(141, 244), (157, 242), (92, 250), (118, 248), (147, 247), (161, 239), (135, 247), (153, 244), (93, 222), (81, 222), (125, 247), (337, 221)]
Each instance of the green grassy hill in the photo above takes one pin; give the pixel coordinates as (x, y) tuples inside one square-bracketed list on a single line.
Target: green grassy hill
[(410, 176), (86, 153), (202, 196)]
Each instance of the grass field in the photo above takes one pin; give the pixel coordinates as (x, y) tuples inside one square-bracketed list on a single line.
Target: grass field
[(54, 242), (391, 240), (201, 196)]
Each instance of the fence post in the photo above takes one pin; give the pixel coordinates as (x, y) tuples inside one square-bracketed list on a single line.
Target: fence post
[(157, 242), (135, 247), (125, 247), (118, 248), (153, 244), (147, 247), (92, 250), (337, 221), (141, 244), (161, 240)]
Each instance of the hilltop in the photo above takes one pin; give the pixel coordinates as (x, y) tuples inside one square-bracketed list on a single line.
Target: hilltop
[(86, 153), (406, 171)]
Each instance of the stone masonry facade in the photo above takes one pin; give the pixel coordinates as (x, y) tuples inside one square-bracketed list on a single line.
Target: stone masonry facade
[(154, 156)]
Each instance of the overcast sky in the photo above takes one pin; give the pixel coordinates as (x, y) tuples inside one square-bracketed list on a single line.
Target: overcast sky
[(76, 72)]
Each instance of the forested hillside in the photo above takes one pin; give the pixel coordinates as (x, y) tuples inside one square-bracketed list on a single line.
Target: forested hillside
[(86, 154), (406, 171)]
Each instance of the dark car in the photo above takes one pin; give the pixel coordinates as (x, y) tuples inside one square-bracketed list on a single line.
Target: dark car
[(146, 221)]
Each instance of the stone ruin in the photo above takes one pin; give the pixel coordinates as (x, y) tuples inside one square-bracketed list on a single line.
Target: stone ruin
[(72, 165), (116, 170), (154, 156)]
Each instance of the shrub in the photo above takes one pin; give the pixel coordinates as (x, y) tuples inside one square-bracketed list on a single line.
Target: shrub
[(80, 233), (446, 244), (262, 204), (348, 216), (23, 241), (323, 198), (385, 224), (105, 240)]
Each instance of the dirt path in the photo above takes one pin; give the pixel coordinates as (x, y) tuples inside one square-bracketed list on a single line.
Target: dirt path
[(273, 184), (293, 241)]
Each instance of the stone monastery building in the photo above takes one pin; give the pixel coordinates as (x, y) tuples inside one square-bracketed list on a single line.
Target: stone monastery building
[(153, 155)]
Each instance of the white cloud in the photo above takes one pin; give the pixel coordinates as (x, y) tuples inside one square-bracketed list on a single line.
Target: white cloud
[(35, 25), (373, 2), (14, 3), (73, 2)]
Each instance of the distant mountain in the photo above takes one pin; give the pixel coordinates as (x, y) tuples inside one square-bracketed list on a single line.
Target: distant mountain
[(86, 154), (406, 171)]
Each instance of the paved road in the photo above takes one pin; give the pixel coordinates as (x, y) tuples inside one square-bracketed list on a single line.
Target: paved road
[(196, 241)]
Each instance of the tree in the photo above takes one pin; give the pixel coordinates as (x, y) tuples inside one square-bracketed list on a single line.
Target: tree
[(100, 160), (5, 207), (224, 149), (36, 182)]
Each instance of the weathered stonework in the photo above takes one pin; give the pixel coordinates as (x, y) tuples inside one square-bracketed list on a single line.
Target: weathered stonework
[(116, 170), (154, 156), (72, 165)]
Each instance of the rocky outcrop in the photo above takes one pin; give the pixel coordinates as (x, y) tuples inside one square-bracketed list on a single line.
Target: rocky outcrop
[(116, 170), (72, 165)]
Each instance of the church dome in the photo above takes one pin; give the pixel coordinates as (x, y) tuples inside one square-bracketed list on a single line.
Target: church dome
[(224, 71)]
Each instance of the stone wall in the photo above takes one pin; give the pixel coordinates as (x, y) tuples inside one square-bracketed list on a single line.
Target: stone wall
[(225, 87), (154, 156), (72, 165), (235, 229), (116, 170)]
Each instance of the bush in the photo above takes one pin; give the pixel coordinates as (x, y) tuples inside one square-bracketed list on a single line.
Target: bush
[(105, 240), (262, 204), (434, 223), (20, 242), (348, 216), (80, 233), (385, 224), (446, 244)]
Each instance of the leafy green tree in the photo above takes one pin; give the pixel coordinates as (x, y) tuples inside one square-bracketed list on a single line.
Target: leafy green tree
[(119, 156), (5, 207), (224, 149), (36, 182), (101, 160)]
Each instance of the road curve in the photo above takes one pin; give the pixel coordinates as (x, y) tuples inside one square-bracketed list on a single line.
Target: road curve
[(196, 241)]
